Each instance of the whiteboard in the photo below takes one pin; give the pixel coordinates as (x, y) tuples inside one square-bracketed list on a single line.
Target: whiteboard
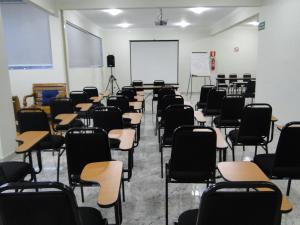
[(200, 63), (154, 60)]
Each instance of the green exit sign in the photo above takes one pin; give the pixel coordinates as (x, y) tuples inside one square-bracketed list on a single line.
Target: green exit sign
[(262, 25)]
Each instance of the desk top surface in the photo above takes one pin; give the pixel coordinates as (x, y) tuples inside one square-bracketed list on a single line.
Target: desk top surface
[(126, 137), (84, 106), (139, 98), (136, 105), (248, 171), (29, 139), (105, 93), (66, 118), (108, 175), (97, 99), (199, 117), (135, 117)]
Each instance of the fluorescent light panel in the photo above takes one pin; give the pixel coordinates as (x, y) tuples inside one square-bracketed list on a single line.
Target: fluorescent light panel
[(182, 23), (113, 12), (124, 25), (199, 10), (253, 23)]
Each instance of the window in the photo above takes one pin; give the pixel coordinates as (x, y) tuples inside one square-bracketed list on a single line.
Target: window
[(84, 48), (27, 36)]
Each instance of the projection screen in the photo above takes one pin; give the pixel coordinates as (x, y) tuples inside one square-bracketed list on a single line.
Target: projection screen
[(154, 60)]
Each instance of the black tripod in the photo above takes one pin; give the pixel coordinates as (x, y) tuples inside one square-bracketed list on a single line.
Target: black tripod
[(111, 81)]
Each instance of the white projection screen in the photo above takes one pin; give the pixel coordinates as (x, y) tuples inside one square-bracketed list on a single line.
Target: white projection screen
[(154, 60)]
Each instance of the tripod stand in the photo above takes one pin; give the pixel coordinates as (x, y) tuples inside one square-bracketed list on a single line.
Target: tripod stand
[(111, 81)]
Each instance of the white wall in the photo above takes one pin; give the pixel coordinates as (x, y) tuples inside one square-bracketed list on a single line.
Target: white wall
[(245, 60), (7, 123), (278, 73), (117, 43)]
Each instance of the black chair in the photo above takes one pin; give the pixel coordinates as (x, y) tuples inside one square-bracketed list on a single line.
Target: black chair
[(254, 129), (84, 146), (231, 203), (175, 116), (250, 90), (37, 120), (78, 97), (161, 94), (129, 92), (155, 91), (53, 204), (12, 171), (221, 83), (246, 77), (205, 89), (166, 101), (285, 163), (214, 102), (231, 112), (233, 79), (91, 91), (193, 157), (121, 102), (63, 106), (138, 83)]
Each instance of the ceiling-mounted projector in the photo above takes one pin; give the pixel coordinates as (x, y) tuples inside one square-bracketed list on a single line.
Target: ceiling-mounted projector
[(161, 21)]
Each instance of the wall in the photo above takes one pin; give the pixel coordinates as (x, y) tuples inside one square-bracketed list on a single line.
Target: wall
[(244, 61), (7, 123), (117, 43), (278, 59)]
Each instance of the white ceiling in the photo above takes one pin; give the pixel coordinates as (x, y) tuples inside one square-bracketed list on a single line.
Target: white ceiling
[(144, 18)]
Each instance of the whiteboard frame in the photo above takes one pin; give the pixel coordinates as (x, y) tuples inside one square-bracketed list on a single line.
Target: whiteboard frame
[(131, 41)]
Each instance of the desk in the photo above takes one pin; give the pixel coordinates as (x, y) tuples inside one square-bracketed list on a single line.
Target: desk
[(126, 137), (141, 93), (29, 139), (200, 118), (248, 171), (108, 175), (84, 107), (97, 99), (135, 117), (139, 98), (152, 87), (105, 93), (136, 105), (66, 119)]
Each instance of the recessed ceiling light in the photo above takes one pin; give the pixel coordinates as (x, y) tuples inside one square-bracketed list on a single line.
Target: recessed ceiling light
[(253, 23), (124, 25), (113, 12), (199, 10), (182, 24)]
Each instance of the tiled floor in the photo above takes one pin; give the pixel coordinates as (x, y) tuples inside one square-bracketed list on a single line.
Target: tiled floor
[(145, 193)]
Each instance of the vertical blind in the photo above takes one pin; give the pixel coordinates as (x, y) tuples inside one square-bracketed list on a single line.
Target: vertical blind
[(27, 36), (84, 48)]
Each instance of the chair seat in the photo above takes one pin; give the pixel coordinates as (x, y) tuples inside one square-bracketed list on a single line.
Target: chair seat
[(245, 140), (126, 123), (211, 112), (189, 177), (75, 123), (188, 217), (52, 142), (201, 105), (167, 139), (114, 143), (14, 171), (266, 164), (226, 123), (91, 216)]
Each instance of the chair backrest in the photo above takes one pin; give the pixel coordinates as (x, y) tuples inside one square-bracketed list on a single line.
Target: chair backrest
[(119, 101), (287, 152), (54, 204), (232, 107), (138, 83), (176, 116), (221, 76), (215, 98), (91, 91), (107, 118), (250, 87), (230, 203), (232, 76), (129, 92), (158, 83), (60, 106), (33, 120), (161, 93), (204, 93), (78, 97), (83, 146), (194, 151), (168, 100), (247, 77), (256, 121)]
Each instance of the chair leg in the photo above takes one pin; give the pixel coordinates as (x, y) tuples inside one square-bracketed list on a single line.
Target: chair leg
[(58, 166), (167, 196), (255, 150), (152, 106), (243, 148), (82, 193), (289, 187), (161, 162), (233, 154), (123, 187)]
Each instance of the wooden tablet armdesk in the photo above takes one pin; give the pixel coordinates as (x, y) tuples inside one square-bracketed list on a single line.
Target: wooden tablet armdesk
[(66, 118), (135, 121), (108, 175), (249, 171), (97, 99), (126, 137)]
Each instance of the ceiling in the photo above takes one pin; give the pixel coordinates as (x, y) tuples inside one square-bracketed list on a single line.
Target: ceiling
[(145, 17)]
